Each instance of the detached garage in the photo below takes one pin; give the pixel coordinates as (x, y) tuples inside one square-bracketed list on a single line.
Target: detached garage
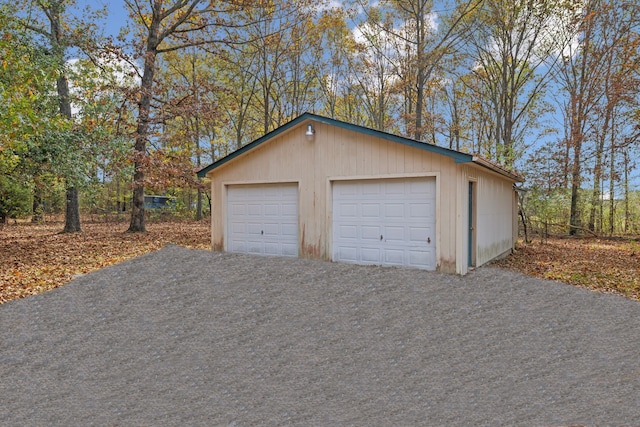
[(321, 188)]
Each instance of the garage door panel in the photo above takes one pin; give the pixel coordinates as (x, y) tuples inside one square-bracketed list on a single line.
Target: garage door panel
[(239, 227), (419, 257), (289, 230), (263, 219), (418, 234), (419, 210), (348, 254), (289, 210), (348, 210), (254, 210), (347, 191), (394, 256), (416, 187), (272, 229), (239, 210), (370, 255), (235, 246), (271, 209), (289, 249), (402, 211), (254, 229), (394, 211), (348, 232), (254, 247), (373, 189), (370, 210), (370, 232), (395, 187), (271, 248), (394, 234)]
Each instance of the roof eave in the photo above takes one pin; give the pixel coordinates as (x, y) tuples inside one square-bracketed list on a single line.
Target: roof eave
[(497, 169)]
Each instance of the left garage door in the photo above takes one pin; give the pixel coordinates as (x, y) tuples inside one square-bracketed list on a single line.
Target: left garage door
[(263, 219)]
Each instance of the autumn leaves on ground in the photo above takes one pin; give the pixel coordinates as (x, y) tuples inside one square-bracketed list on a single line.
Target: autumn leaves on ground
[(35, 257), (605, 265)]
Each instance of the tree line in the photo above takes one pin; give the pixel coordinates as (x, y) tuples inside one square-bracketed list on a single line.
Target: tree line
[(546, 88)]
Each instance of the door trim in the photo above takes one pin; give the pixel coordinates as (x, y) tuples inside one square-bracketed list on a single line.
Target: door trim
[(471, 223)]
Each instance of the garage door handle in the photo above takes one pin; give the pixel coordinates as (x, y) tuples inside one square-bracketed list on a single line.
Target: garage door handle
[(262, 232), (381, 237), (428, 239)]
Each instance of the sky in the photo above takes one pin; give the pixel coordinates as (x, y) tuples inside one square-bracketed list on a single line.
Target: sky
[(117, 13), (118, 17)]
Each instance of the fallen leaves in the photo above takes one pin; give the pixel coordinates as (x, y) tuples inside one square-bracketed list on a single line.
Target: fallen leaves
[(35, 258), (611, 266)]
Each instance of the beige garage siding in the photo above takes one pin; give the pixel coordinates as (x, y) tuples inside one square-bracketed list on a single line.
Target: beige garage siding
[(340, 154), (494, 231)]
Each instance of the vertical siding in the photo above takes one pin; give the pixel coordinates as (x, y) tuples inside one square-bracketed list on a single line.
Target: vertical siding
[(336, 154), (494, 215)]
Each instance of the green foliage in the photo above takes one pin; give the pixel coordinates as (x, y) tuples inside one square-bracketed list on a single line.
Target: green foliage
[(547, 210), (15, 198), (26, 79)]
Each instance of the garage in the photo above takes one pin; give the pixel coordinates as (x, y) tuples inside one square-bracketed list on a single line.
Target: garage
[(263, 219), (385, 222), (361, 196)]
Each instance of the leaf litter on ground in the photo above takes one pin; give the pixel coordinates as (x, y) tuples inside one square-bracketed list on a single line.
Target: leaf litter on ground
[(603, 265), (35, 258)]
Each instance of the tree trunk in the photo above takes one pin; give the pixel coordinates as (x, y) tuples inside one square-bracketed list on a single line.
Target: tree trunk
[(199, 215), (576, 171), (138, 223), (421, 78), (144, 112), (38, 208), (596, 199), (198, 164), (72, 213), (612, 179), (627, 214)]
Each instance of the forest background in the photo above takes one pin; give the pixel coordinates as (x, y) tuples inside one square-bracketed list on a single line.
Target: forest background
[(90, 121)]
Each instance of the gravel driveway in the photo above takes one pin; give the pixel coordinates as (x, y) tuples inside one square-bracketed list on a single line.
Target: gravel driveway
[(186, 337)]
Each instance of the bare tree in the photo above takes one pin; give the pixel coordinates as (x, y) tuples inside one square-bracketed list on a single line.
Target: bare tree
[(169, 26), (588, 76), (425, 45), (514, 45)]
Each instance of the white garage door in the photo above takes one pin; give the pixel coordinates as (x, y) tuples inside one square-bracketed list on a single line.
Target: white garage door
[(385, 222), (263, 219)]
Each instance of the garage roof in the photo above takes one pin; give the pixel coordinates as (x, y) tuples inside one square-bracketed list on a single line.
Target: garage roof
[(458, 156)]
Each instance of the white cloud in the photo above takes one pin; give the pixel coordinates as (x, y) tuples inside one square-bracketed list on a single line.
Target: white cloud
[(331, 4), (89, 80)]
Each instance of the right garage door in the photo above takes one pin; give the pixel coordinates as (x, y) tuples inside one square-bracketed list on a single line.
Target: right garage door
[(385, 222)]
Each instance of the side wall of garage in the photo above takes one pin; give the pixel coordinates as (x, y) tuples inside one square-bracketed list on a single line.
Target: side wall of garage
[(335, 154), (493, 209)]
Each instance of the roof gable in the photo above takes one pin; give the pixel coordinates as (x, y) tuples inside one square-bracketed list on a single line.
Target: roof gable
[(457, 156)]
